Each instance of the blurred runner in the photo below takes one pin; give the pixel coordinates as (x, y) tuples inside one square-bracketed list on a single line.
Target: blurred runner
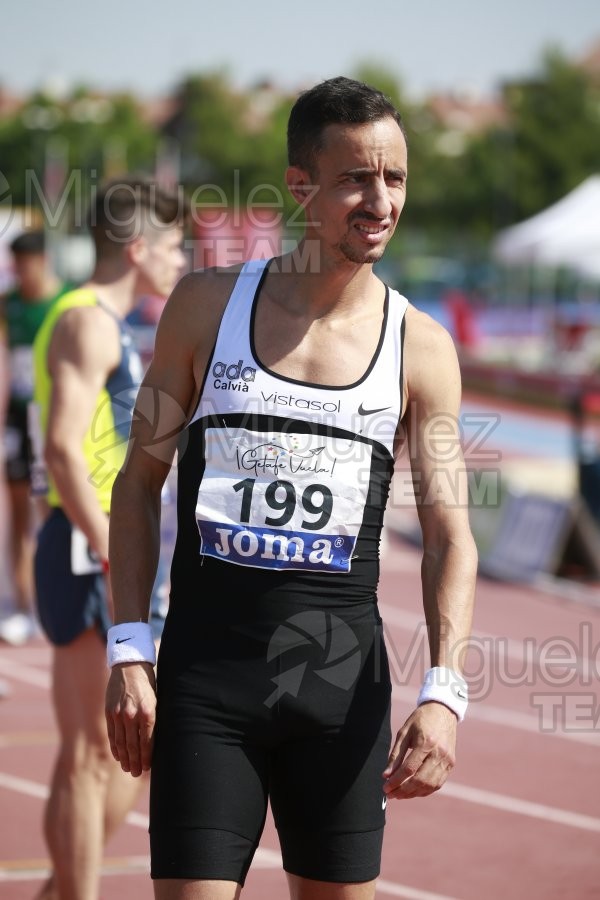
[(87, 372), (22, 311)]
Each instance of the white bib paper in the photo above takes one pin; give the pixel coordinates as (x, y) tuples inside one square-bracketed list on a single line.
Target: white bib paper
[(282, 501)]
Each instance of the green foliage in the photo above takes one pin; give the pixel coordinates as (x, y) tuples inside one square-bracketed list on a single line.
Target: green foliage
[(19, 152), (232, 148), (555, 132), (209, 128), (384, 80), (83, 136)]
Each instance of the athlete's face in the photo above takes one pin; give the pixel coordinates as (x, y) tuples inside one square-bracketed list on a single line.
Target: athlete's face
[(359, 189), (30, 270), (160, 261)]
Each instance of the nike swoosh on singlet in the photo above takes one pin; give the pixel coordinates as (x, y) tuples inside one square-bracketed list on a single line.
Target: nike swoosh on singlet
[(122, 640), (369, 412)]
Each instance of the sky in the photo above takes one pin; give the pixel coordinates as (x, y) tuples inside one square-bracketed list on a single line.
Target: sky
[(147, 48)]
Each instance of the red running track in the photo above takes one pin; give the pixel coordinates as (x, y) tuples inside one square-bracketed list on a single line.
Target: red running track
[(519, 817)]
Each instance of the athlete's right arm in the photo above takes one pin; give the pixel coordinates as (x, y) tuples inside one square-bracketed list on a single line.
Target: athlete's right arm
[(166, 400)]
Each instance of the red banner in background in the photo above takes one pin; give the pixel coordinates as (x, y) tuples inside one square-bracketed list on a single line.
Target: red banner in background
[(226, 237)]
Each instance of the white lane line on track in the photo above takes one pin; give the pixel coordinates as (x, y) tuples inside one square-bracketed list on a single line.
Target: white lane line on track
[(496, 715), (407, 620), (131, 865), (402, 890), (451, 789), (512, 649), (264, 857), (479, 708), (27, 674), (140, 865), (520, 807), (23, 786), (484, 712)]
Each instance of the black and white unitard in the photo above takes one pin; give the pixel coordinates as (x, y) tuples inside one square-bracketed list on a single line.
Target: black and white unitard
[(272, 674)]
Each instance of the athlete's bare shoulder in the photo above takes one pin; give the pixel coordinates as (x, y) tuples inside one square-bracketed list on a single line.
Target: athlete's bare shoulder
[(206, 290), (427, 340), (87, 336), (423, 332), (192, 313), (431, 360)]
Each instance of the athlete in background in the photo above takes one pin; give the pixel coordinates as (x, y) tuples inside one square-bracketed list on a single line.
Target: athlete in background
[(22, 310), (87, 373)]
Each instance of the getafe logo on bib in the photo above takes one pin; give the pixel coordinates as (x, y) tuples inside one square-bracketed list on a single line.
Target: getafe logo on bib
[(278, 501)]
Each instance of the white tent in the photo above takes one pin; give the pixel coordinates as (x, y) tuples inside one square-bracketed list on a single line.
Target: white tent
[(565, 234)]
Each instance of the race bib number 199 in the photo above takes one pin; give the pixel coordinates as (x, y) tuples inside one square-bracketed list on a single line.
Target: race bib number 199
[(282, 501)]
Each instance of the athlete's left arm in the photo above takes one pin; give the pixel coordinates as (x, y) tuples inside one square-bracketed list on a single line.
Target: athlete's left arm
[(423, 753)]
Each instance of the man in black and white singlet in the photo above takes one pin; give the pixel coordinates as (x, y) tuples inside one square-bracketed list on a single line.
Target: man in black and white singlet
[(287, 387)]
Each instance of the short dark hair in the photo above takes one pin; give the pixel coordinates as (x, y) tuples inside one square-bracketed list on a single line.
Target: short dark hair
[(336, 101), (29, 243), (120, 205)]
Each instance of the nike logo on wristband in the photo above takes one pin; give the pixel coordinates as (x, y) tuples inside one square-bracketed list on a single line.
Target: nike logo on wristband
[(460, 694), (122, 640)]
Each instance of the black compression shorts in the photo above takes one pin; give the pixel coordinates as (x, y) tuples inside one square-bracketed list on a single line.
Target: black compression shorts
[(68, 603), (294, 710)]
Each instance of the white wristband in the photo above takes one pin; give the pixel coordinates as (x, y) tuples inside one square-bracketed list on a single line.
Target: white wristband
[(130, 642), (445, 686)]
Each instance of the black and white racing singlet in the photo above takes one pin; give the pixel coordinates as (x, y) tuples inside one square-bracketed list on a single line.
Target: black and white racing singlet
[(282, 484)]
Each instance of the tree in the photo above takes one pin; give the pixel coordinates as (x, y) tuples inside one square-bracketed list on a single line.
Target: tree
[(77, 140), (555, 133), (209, 128)]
